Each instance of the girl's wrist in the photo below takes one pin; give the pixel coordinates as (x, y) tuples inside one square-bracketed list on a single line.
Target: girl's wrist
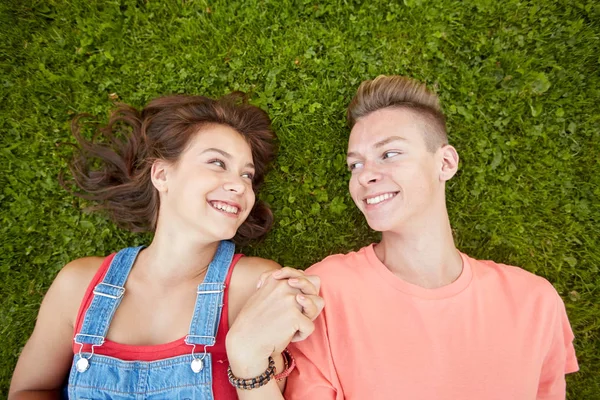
[(245, 361), (249, 370)]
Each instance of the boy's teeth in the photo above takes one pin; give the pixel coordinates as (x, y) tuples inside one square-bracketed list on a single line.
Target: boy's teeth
[(380, 198)]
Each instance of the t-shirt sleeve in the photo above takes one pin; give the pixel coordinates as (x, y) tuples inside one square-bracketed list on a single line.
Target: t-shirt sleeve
[(314, 376), (560, 358)]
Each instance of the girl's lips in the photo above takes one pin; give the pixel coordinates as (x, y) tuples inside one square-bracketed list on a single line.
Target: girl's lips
[(227, 208)]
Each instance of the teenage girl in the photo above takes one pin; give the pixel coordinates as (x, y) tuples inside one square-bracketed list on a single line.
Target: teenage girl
[(151, 322)]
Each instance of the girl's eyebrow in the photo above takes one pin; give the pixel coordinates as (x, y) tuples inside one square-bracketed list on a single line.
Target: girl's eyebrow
[(224, 154)]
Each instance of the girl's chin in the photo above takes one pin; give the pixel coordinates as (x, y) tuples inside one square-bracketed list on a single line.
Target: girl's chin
[(228, 234)]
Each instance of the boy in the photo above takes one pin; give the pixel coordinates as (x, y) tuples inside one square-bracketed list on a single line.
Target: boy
[(411, 317)]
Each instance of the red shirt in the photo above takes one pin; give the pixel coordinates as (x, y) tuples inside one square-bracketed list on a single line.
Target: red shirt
[(222, 389)]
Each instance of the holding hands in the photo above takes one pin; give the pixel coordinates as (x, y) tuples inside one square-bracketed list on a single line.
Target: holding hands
[(280, 311)]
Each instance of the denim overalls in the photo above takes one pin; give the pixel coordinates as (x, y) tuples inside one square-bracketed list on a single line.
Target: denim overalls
[(94, 376)]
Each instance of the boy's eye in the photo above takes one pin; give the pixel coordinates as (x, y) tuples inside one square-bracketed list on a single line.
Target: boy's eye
[(389, 154), (354, 165)]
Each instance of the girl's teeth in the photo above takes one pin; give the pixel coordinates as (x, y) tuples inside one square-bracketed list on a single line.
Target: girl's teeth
[(225, 207)]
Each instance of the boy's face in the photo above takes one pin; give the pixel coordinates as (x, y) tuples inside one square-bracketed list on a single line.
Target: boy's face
[(395, 179)]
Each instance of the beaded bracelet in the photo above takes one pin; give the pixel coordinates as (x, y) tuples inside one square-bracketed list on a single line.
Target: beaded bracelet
[(288, 365), (256, 382)]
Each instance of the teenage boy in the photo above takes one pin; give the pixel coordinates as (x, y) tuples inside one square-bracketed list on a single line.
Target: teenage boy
[(411, 317)]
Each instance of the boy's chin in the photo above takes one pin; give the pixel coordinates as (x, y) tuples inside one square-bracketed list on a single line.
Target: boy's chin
[(379, 226), (390, 224)]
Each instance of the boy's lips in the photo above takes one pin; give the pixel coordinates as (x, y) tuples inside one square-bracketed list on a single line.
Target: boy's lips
[(378, 198)]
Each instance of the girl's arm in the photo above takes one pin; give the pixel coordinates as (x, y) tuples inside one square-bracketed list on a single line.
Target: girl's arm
[(46, 358)]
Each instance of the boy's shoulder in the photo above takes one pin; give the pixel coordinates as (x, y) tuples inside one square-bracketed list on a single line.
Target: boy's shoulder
[(341, 258), (511, 277), (343, 264)]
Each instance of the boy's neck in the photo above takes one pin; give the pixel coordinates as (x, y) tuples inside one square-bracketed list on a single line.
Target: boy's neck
[(423, 254)]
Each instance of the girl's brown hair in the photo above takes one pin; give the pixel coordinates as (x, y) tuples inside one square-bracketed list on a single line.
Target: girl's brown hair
[(113, 169)]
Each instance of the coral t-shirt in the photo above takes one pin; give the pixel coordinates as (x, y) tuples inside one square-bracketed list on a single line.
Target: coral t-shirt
[(498, 332)]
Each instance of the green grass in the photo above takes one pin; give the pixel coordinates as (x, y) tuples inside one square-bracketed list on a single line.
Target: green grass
[(519, 81)]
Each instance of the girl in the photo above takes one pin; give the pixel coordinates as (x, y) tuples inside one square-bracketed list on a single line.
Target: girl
[(151, 322)]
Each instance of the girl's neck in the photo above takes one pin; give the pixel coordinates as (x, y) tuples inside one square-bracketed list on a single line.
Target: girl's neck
[(175, 257)]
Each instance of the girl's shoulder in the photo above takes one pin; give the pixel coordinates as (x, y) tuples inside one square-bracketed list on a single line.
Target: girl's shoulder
[(244, 278), (71, 283), (79, 272), (255, 266), (248, 271)]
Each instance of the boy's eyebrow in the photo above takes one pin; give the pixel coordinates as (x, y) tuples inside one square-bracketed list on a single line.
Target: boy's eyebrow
[(389, 140), (379, 144), (226, 155)]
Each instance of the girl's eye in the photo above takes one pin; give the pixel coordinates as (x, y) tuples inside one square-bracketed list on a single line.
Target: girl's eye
[(389, 154), (248, 175), (218, 163), (354, 165)]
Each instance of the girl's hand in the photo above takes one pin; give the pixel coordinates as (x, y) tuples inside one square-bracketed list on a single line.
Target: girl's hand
[(281, 310), (309, 286)]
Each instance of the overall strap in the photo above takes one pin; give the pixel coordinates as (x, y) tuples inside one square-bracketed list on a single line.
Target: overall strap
[(107, 297), (209, 298)]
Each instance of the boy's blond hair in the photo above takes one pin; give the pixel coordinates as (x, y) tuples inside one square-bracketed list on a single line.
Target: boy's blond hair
[(396, 91)]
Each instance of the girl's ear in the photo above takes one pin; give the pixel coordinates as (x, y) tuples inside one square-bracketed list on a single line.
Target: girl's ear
[(158, 174)]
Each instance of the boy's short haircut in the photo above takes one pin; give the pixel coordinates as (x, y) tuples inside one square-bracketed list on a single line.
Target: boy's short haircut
[(396, 91)]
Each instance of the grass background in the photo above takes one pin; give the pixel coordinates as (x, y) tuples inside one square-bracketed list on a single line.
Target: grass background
[(519, 81)]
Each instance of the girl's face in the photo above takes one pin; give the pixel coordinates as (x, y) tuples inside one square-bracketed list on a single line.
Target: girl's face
[(208, 191)]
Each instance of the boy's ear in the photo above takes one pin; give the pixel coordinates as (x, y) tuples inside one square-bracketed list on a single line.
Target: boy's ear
[(449, 157)]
